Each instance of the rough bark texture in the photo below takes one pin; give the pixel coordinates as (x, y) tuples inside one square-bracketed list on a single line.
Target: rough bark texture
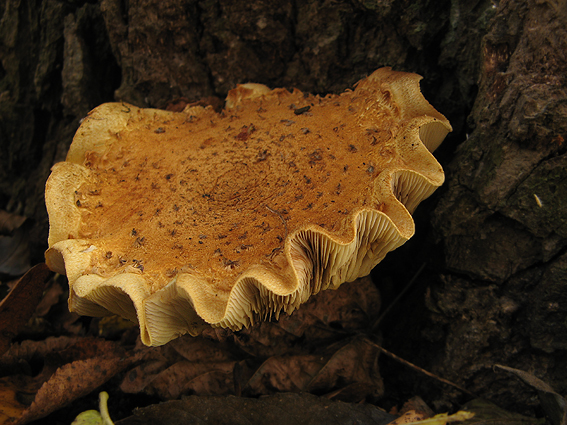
[(503, 217), (494, 237)]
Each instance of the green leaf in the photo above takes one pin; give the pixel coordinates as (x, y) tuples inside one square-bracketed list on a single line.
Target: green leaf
[(90, 417)]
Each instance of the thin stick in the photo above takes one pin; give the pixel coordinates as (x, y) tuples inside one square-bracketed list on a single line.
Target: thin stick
[(400, 295), (414, 367)]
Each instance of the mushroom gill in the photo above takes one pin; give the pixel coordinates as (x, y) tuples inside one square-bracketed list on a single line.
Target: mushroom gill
[(184, 220)]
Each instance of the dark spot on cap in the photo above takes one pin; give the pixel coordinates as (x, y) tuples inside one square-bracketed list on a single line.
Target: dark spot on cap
[(300, 111)]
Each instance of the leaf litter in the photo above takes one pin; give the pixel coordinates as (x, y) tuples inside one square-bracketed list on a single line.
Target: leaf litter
[(297, 353), (321, 357), (554, 405), (14, 244), (17, 308)]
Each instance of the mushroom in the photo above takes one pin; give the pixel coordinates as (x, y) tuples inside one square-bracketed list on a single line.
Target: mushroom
[(185, 220)]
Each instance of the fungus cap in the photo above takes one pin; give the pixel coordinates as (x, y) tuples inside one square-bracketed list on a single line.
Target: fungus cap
[(184, 220)]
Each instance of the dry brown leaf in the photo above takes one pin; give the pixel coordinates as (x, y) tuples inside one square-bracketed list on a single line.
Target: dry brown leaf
[(14, 247), (140, 377), (201, 378), (413, 417), (10, 408), (348, 370), (277, 357), (554, 405), (71, 369), (353, 365), (169, 362), (14, 391), (83, 349), (188, 377), (10, 222), (263, 340), (286, 373), (90, 347), (349, 307), (419, 406), (70, 382), (408, 417), (25, 350), (441, 418), (21, 358), (20, 304), (50, 298), (215, 382), (196, 349), (329, 314)]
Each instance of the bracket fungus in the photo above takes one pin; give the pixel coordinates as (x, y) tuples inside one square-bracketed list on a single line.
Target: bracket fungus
[(184, 220)]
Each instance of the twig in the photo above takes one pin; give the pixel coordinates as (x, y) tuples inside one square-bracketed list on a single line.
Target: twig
[(400, 295), (414, 367)]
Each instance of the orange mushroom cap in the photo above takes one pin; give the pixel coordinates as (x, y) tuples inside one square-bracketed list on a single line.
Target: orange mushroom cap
[(184, 220)]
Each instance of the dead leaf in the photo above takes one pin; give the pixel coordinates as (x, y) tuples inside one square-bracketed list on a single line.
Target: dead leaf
[(19, 388), (408, 417), (287, 373), (486, 413), (20, 303), (70, 382), (84, 349), (90, 347), (330, 314), (295, 354), (10, 222), (419, 406), (26, 350), (14, 244), (206, 378), (279, 409), (72, 368), (50, 298), (352, 306), (554, 405), (140, 377), (348, 370), (10, 407), (351, 365), (113, 326), (185, 349), (196, 349)]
